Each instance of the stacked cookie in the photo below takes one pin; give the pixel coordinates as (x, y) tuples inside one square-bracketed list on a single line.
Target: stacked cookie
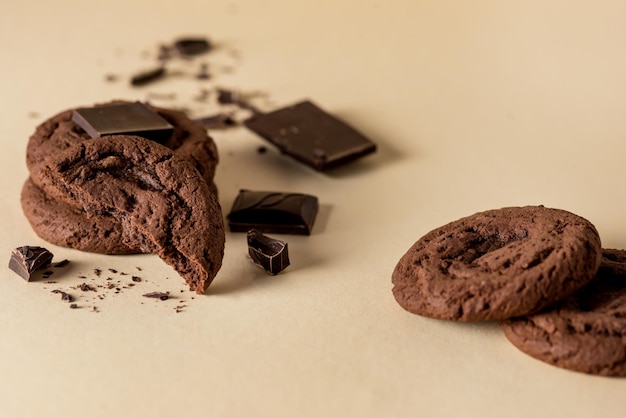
[(124, 194), (542, 272)]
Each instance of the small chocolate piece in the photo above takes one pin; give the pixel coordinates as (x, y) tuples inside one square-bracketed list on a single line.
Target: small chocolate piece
[(192, 46), (25, 260), (158, 295), (225, 96), (61, 263), (218, 121), (123, 119), (65, 297), (270, 253), (73, 306), (311, 136), (146, 77), (203, 73), (273, 212)]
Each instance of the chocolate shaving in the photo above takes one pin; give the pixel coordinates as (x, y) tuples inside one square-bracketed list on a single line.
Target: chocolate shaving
[(158, 295)]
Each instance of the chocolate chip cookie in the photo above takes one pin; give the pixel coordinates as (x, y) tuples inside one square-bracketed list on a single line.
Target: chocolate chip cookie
[(497, 264)]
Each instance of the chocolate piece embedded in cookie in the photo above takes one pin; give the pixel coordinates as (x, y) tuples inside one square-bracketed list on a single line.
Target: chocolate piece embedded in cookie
[(585, 332), (277, 212), (123, 119), (497, 264), (312, 136), (161, 201), (25, 260)]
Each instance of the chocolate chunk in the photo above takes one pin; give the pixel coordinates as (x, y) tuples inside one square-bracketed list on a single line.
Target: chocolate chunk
[(158, 295), (25, 260), (146, 77), (218, 121), (192, 46), (274, 212), (123, 119), (270, 253), (311, 136)]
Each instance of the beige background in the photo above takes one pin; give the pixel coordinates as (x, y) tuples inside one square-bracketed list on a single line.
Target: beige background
[(474, 104)]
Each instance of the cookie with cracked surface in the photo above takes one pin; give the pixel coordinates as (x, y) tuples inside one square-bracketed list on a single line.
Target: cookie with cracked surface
[(62, 222), (161, 201), (67, 226), (585, 332), (497, 264)]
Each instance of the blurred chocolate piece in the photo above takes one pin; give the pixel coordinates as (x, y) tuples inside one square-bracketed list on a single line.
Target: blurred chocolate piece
[(65, 297), (311, 136), (273, 212), (270, 253), (192, 46), (123, 119), (225, 96), (25, 260), (158, 295), (203, 72), (146, 77), (218, 121)]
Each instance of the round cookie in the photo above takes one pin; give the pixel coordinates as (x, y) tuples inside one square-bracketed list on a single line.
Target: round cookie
[(161, 201), (587, 331), (189, 140), (64, 224), (497, 264)]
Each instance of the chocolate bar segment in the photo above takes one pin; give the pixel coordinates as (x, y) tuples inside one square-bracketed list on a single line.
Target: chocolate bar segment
[(25, 260), (123, 119), (270, 253), (312, 136), (273, 212)]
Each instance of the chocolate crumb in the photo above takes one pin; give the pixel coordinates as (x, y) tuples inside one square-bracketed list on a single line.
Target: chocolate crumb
[(65, 297), (61, 263), (218, 121), (110, 78), (73, 306), (147, 77), (158, 295), (261, 149), (203, 73), (80, 276), (86, 288), (138, 268), (97, 272), (113, 271), (136, 279)]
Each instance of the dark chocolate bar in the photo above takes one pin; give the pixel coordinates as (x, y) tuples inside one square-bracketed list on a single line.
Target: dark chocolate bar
[(273, 212), (270, 253), (25, 260), (123, 119), (312, 136)]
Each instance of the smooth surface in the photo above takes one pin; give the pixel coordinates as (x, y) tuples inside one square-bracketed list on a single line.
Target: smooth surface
[(474, 105)]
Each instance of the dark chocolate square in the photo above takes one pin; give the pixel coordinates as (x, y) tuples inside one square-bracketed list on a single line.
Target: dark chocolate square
[(274, 212), (25, 260), (123, 119), (312, 136)]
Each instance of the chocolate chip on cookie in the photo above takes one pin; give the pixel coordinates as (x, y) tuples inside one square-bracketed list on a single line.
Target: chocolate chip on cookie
[(585, 332), (497, 264)]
